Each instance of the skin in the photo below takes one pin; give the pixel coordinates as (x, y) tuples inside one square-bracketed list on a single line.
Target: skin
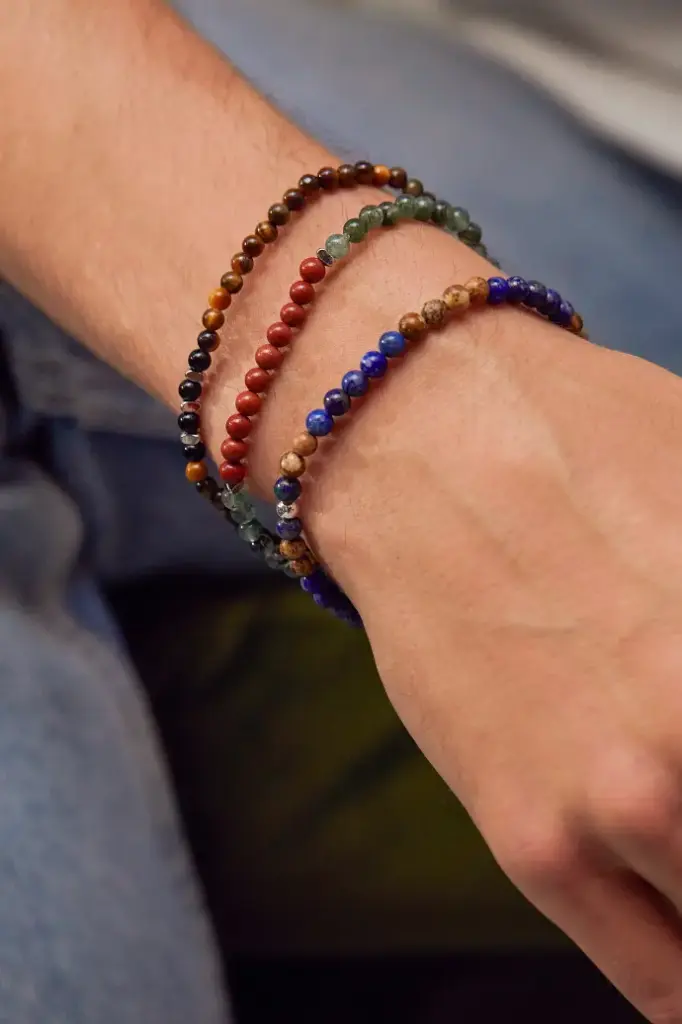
[(505, 512)]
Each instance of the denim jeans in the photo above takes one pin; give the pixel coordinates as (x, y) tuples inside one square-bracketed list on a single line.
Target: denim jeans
[(102, 921)]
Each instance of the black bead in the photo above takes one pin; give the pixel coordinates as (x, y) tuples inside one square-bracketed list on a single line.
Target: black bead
[(189, 423), (194, 452), (257, 546), (207, 488), (440, 212), (199, 360), (189, 390), (208, 341)]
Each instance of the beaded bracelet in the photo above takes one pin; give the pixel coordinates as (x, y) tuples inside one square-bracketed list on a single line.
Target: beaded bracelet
[(478, 292), (293, 314)]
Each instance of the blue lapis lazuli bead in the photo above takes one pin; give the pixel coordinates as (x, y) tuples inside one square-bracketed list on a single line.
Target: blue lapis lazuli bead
[(374, 364), (355, 383), (289, 529), (319, 423), (518, 289), (498, 290), (392, 344), (550, 306), (287, 490), (537, 295), (336, 402), (563, 314)]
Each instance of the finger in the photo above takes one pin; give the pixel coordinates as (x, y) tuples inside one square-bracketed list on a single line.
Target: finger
[(629, 932), (655, 856)]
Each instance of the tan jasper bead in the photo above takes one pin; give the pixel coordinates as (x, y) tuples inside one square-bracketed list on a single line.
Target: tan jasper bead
[(302, 566), (292, 464), (293, 549), (478, 290), (456, 298), (434, 312), (304, 444)]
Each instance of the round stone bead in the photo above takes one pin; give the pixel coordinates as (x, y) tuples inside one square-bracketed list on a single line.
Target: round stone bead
[(518, 289), (392, 344), (336, 402), (302, 293), (190, 390), (247, 403), (279, 334), (234, 451), (208, 341), (194, 452), (382, 175), (267, 232), (220, 298), (189, 422), (478, 290), (257, 379), (196, 471), (287, 490), (199, 360), (294, 199), (279, 214), (364, 172), (458, 219), (577, 323), (434, 312), (537, 295), (398, 178), (241, 263), (232, 473), (319, 423), (551, 304), (293, 548), (355, 383), (412, 325), (564, 314), (472, 235), (440, 212), (250, 532), (293, 314), (413, 187), (268, 357), (347, 176), (213, 319), (389, 214), (302, 566), (337, 246), (253, 246), (374, 364), (288, 510), (406, 207), (232, 282), (292, 464), (304, 444), (425, 207), (371, 216), (207, 488), (312, 270), (456, 298), (498, 291), (355, 229), (309, 184), (238, 426), (289, 529)]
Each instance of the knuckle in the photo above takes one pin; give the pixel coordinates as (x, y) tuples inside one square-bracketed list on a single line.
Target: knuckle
[(640, 801), (540, 856)]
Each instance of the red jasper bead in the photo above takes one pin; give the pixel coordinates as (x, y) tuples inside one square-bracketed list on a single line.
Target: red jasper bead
[(293, 314), (247, 403), (238, 427), (232, 473), (312, 269), (233, 451), (280, 334), (256, 379), (268, 357), (302, 292)]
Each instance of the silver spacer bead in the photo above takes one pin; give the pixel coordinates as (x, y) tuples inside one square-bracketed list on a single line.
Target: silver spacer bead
[(190, 438), (190, 406), (324, 257), (195, 375), (286, 511)]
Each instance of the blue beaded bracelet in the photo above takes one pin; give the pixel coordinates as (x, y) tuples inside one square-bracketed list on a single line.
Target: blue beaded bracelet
[(530, 295)]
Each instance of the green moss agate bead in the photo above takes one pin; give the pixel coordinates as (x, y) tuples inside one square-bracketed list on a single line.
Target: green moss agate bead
[(472, 235), (389, 213), (355, 229), (371, 216), (440, 212), (425, 207), (337, 246), (458, 219), (406, 207)]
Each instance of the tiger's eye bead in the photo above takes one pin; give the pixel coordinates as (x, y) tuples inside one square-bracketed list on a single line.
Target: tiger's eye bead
[(252, 245), (302, 566), (238, 426), (312, 270), (292, 464), (208, 341), (232, 282), (233, 450), (412, 326), (382, 175), (364, 172), (293, 548), (478, 290), (266, 231), (294, 199), (398, 178), (434, 312), (279, 334), (268, 357), (241, 264), (302, 293), (328, 178), (219, 299), (247, 403), (196, 471), (213, 319), (577, 323), (456, 298), (309, 184), (346, 173), (304, 444), (414, 187), (293, 314), (257, 379), (279, 214)]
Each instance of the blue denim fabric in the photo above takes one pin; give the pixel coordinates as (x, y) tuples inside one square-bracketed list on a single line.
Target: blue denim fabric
[(101, 922)]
